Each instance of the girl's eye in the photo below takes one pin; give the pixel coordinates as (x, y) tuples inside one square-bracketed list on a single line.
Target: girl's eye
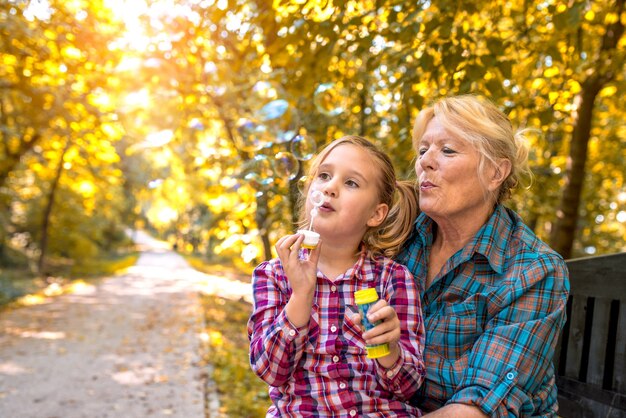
[(351, 183), (323, 176)]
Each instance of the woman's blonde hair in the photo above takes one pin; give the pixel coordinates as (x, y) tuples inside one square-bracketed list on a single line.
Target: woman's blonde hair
[(487, 128), (388, 237)]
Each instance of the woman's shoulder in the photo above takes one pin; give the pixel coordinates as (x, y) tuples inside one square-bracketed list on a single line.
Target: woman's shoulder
[(525, 244)]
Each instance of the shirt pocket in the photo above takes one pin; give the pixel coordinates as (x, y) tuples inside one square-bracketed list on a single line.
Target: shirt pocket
[(453, 330)]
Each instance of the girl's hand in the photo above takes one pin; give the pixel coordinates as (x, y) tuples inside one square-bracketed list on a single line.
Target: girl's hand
[(388, 331), (302, 276)]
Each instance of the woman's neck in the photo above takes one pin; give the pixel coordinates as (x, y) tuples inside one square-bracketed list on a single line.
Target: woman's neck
[(452, 234)]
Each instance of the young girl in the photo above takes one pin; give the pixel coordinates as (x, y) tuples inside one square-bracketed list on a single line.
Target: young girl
[(303, 342)]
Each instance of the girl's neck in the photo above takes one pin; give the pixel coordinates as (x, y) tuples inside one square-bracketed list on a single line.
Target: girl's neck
[(335, 260)]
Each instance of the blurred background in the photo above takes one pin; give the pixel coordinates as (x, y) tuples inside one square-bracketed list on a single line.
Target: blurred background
[(196, 119)]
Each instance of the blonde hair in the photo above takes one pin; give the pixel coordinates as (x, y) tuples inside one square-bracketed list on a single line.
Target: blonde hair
[(388, 237), (487, 128)]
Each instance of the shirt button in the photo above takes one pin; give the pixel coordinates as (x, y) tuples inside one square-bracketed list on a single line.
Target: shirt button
[(335, 359), (510, 376), (333, 329), (342, 385), (292, 332), (353, 413), (333, 288), (389, 373)]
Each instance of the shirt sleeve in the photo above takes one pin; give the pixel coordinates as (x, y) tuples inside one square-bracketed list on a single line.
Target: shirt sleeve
[(276, 345), (513, 356), (406, 376)]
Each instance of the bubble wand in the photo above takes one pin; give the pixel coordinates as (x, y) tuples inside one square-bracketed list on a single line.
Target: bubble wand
[(317, 200), (311, 238)]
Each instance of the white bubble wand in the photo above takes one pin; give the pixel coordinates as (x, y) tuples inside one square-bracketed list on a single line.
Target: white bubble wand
[(317, 200)]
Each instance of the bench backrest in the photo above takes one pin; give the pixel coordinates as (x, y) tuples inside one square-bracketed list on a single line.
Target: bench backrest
[(591, 360)]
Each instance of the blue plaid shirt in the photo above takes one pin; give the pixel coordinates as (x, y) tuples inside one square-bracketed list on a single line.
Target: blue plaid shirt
[(493, 315)]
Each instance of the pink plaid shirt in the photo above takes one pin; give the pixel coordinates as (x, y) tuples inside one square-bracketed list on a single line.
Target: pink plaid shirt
[(322, 369)]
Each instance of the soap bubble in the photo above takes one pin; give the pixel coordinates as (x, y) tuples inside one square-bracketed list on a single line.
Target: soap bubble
[(329, 99), (258, 172), (251, 136), (303, 147), (153, 184), (265, 91), (302, 183), (317, 198), (273, 110), (286, 165), (280, 118), (196, 124)]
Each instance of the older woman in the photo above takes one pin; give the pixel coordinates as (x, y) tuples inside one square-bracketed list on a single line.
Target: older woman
[(493, 294)]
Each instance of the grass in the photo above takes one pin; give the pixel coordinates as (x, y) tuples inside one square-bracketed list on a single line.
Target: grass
[(241, 392), (19, 286)]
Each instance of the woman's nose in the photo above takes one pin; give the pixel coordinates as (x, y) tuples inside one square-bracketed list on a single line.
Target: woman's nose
[(426, 160)]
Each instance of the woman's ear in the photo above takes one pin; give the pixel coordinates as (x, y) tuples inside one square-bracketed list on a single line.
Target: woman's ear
[(379, 215), (501, 171)]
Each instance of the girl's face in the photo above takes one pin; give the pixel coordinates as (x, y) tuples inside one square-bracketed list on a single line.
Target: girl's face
[(350, 181), (448, 176)]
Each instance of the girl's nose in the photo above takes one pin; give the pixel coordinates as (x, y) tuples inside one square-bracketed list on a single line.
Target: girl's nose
[(330, 188)]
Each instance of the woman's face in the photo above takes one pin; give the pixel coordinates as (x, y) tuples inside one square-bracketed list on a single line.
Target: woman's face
[(448, 178)]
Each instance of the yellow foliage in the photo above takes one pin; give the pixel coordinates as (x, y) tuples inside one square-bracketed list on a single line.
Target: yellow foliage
[(574, 86), (553, 96), (551, 72), (538, 83), (608, 91), (72, 52)]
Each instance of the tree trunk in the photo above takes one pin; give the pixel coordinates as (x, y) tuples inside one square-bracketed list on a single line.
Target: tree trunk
[(564, 230), (45, 225)]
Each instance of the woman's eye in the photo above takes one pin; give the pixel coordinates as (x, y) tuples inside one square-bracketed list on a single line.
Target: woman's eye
[(447, 150), (421, 151)]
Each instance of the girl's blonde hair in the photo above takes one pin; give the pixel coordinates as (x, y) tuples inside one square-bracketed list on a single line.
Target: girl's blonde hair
[(487, 128), (388, 237)]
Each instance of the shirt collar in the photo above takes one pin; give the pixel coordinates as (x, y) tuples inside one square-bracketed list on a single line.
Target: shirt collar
[(364, 266), (490, 241)]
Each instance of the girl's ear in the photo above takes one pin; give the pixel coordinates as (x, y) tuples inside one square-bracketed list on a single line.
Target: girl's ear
[(379, 215)]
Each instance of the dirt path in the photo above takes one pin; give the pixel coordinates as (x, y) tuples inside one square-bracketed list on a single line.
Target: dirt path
[(130, 347)]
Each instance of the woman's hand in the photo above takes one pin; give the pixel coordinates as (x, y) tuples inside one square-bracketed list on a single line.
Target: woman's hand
[(388, 331), (302, 276)]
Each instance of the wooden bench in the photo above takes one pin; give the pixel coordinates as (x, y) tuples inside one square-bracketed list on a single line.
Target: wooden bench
[(591, 358)]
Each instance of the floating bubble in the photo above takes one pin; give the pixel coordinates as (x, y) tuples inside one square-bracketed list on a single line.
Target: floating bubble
[(273, 110), (303, 147), (329, 99), (153, 184), (258, 172), (280, 118), (317, 198), (302, 183), (286, 165), (251, 136), (196, 124), (266, 90)]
